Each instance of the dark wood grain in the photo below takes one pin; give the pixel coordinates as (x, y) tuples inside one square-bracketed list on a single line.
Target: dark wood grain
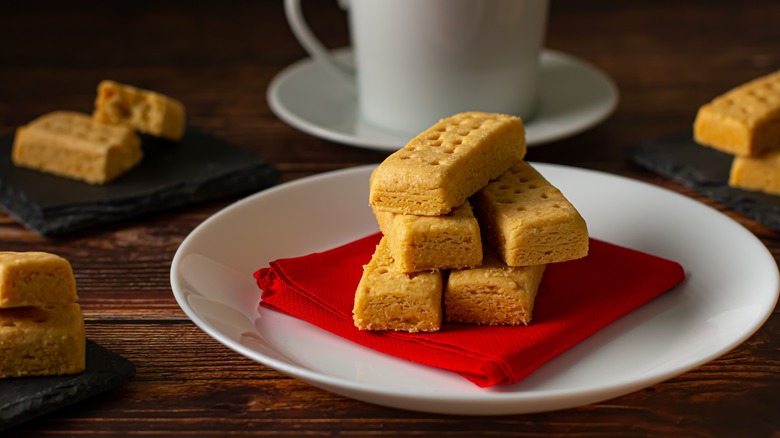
[(666, 57)]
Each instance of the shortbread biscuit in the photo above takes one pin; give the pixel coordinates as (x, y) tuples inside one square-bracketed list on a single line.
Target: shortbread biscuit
[(147, 111), (745, 120), (528, 221), (35, 279), (36, 341), (493, 294), (424, 243), (388, 299), (760, 174), (72, 145), (440, 168)]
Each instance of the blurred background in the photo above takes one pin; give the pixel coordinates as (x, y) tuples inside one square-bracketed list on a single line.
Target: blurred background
[(219, 58)]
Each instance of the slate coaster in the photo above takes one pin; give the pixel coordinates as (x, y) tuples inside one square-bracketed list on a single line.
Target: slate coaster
[(706, 170), (197, 168), (24, 398)]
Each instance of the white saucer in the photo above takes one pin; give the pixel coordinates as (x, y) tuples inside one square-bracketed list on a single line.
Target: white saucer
[(574, 96)]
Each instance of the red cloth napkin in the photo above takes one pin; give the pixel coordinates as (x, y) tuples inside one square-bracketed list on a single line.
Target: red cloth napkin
[(575, 300)]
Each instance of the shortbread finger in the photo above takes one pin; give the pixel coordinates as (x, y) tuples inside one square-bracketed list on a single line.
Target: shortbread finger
[(528, 221), (35, 279), (147, 111), (745, 120), (72, 145), (761, 174), (424, 243), (440, 168), (493, 294), (388, 299), (37, 341)]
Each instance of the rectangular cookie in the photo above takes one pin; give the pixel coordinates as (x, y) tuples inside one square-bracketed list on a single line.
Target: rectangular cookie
[(493, 294), (743, 121), (388, 299), (444, 165), (72, 145), (528, 221), (761, 174), (424, 243), (147, 111), (37, 341), (35, 279)]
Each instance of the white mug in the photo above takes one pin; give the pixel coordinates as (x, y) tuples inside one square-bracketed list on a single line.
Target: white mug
[(418, 61)]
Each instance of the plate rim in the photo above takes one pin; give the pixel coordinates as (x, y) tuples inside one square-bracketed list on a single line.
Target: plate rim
[(448, 403)]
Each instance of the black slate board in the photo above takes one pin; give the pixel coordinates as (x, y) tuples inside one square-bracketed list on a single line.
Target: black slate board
[(199, 167), (706, 170), (24, 398)]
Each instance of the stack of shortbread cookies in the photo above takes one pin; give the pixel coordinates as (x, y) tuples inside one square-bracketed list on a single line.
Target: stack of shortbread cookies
[(41, 326), (745, 122), (468, 228), (99, 148)]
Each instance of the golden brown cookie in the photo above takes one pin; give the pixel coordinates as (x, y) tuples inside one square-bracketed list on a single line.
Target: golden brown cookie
[(388, 299), (36, 341), (528, 221), (493, 294), (424, 243), (35, 279), (761, 174), (745, 120), (440, 168), (147, 111), (72, 145)]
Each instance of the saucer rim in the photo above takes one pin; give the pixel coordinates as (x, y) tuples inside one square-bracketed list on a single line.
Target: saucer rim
[(534, 137)]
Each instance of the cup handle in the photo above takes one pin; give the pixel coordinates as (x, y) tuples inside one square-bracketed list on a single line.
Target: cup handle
[(314, 47)]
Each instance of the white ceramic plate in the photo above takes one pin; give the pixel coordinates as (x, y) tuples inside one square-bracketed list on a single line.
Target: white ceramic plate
[(730, 290), (574, 96)]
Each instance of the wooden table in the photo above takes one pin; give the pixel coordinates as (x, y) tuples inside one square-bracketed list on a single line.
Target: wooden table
[(666, 57)]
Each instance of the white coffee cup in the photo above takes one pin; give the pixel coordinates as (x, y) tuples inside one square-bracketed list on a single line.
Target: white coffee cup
[(417, 61)]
